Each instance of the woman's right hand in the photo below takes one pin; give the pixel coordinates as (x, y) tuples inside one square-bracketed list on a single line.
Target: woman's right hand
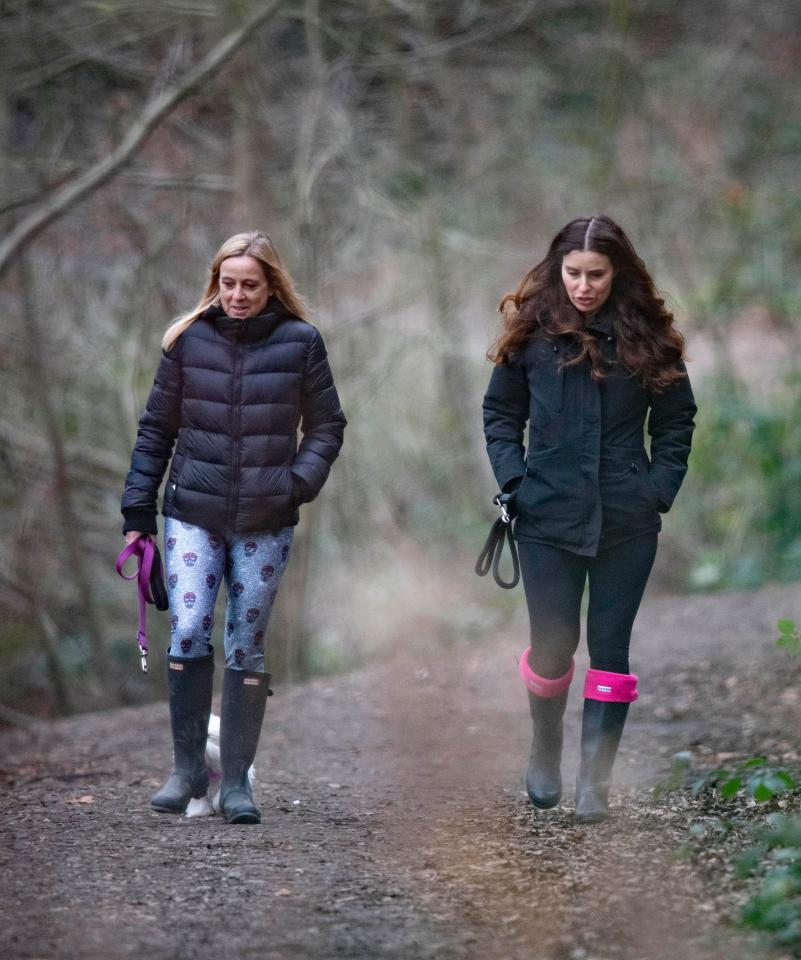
[(132, 535)]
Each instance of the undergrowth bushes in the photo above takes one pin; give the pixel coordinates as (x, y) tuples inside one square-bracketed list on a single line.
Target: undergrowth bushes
[(757, 825), (740, 509)]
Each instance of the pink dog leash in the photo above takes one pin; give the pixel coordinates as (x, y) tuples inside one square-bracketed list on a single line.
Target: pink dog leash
[(148, 567)]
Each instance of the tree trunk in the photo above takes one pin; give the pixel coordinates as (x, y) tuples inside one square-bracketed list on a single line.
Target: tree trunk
[(77, 567), (291, 647), (457, 401)]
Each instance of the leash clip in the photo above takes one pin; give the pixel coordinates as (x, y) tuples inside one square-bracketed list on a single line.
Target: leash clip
[(142, 642), (490, 556), (500, 500)]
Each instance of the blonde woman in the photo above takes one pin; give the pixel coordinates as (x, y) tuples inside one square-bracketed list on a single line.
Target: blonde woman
[(240, 373)]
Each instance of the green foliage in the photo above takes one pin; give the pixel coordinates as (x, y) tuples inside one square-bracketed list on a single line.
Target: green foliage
[(789, 638), (775, 909), (743, 496), (754, 778), (772, 856)]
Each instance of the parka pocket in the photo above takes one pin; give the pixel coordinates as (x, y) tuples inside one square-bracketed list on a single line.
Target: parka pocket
[(179, 459), (549, 493), (176, 469), (170, 491), (620, 471), (626, 492)]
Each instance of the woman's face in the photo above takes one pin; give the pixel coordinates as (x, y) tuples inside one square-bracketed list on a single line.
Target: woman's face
[(244, 290), (587, 277)]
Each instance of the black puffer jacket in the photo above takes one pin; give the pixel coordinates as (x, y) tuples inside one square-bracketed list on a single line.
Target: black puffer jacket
[(234, 392), (587, 482)]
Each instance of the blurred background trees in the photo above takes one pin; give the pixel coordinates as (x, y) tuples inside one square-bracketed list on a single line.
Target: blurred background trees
[(411, 160)]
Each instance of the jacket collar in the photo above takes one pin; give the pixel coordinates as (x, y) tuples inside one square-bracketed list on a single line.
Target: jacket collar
[(251, 328), (603, 321)]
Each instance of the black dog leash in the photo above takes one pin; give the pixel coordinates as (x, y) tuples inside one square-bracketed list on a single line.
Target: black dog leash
[(490, 556)]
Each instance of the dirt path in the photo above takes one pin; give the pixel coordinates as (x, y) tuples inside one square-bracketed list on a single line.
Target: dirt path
[(395, 823)]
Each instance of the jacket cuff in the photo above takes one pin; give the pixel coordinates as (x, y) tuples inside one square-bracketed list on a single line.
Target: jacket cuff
[(142, 520), (510, 475), (664, 499), (301, 492), (302, 487)]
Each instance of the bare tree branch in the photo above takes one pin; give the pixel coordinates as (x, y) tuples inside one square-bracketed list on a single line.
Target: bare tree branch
[(91, 460), (210, 182), (154, 112)]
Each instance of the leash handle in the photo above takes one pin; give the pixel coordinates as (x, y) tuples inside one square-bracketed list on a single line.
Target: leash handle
[(490, 556), (144, 550)]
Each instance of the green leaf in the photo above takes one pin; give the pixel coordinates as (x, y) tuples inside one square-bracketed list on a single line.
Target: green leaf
[(786, 626), (730, 787), (762, 792)]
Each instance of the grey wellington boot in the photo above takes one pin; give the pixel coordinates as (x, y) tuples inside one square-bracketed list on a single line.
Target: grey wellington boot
[(601, 729), (190, 684), (544, 777), (244, 697)]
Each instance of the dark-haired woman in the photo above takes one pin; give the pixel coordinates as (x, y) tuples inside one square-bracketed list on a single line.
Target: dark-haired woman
[(589, 357), (241, 373)]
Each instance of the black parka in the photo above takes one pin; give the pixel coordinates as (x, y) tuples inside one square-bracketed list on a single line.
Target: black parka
[(587, 482), (234, 393)]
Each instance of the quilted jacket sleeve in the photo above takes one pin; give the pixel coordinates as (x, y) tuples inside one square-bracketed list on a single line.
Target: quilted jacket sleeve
[(158, 428), (670, 425), (506, 408), (322, 423)]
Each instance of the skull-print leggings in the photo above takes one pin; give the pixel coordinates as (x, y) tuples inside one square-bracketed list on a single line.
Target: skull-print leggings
[(252, 565)]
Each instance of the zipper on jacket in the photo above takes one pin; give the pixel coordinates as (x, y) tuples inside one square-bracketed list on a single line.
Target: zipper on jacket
[(237, 425)]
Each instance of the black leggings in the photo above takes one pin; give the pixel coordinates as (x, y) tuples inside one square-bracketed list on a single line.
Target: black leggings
[(554, 583)]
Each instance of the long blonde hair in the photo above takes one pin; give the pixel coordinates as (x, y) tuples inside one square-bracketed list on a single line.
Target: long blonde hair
[(253, 244)]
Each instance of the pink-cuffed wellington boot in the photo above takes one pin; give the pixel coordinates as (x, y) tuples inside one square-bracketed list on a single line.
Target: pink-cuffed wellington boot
[(547, 699), (606, 706)]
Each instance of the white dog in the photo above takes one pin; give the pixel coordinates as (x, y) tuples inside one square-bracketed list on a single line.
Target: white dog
[(208, 805)]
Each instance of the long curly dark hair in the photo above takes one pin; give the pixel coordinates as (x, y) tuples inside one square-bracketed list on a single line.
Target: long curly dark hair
[(647, 342)]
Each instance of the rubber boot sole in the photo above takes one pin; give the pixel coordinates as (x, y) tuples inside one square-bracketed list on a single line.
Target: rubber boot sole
[(244, 818), (541, 804)]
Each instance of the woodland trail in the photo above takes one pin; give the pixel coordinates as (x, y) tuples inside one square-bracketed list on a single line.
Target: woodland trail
[(394, 819)]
